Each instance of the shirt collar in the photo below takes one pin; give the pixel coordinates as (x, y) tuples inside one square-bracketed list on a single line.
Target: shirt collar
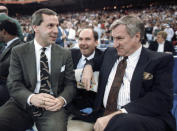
[(136, 54), (38, 47), (90, 57), (162, 43), (10, 42)]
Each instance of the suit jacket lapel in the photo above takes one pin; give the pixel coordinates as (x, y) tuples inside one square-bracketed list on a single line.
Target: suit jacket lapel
[(30, 58), (56, 64), (16, 42), (108, 66), (136, 82)]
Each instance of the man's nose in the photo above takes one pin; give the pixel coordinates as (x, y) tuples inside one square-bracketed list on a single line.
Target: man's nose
[(55, 30), (116, 43)]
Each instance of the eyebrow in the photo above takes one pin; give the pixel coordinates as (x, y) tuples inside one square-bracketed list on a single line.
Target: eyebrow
[(3, 10)]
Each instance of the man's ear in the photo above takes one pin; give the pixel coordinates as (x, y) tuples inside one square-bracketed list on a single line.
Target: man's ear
[(35, 28), (138, 36), (4, 32), (96, 43)]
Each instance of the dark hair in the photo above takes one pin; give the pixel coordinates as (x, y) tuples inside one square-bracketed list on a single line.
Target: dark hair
[(37, 18), (9, 27), (61, 21)]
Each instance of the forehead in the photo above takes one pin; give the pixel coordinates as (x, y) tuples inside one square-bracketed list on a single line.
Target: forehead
[(86, 33), (159, 35), (119, 30), (3, 8), (49, 18)]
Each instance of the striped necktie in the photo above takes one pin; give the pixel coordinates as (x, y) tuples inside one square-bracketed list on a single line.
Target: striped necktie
[(114, 91)]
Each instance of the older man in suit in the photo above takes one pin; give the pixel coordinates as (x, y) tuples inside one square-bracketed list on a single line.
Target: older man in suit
[(135, 84), (8, 35), (40, 81), (88, 41)]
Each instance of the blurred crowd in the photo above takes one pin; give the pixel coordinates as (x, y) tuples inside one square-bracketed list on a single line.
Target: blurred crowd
[(163, 18)]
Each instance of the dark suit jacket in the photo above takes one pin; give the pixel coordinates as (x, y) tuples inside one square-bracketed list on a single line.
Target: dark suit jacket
[(5, 59), (4, 71), (5, 17), (76, 55), (151, 97), (168, 46), (22, 74), (83, 98)]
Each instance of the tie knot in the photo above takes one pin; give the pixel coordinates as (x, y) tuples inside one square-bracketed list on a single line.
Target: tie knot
[(86, 59), (43, 49), (125, 58)]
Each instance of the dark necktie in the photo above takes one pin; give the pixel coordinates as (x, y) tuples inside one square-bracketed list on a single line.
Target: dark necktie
[(45, 83), (44, 73), (114, 91)]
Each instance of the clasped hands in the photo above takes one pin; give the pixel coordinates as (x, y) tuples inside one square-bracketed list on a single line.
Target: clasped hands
[(47, 101)]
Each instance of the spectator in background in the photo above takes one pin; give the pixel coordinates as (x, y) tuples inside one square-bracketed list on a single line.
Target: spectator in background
[(169, 31), (71, 38), (4, 16), (161, 44), (9, 36), (62, 33)]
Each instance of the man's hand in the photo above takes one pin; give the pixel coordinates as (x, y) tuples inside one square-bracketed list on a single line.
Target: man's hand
[(42, 99), (102, 122), (59, 102), (87, 77)]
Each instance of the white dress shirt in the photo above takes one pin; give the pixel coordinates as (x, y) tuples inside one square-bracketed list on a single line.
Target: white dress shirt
[(82, 60), (124, 92), (38, 50), (10, 42), (161, 47)]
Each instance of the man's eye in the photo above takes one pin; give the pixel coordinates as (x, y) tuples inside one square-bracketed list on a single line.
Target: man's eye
[(50, 25)]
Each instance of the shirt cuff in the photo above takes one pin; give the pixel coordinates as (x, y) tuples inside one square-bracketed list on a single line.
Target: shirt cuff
[(123, 110), (29, 98), (64, 101)]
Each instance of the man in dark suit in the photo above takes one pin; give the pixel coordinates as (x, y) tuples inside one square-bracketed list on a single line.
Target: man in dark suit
[(8, 35), (161, 44), (88, 41), (144, 100), (40, 81), (4, 16)]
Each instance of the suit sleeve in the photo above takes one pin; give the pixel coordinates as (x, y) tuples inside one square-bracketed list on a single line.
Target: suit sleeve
[(69, 82), (15, 81), (158, 98)]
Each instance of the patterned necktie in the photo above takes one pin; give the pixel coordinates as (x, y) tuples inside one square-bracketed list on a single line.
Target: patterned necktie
[(114, 91), (45, 83), (44, 73)]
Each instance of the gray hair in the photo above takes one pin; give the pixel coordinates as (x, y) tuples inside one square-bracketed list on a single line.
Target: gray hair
[(37, 18), (133, 25)]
